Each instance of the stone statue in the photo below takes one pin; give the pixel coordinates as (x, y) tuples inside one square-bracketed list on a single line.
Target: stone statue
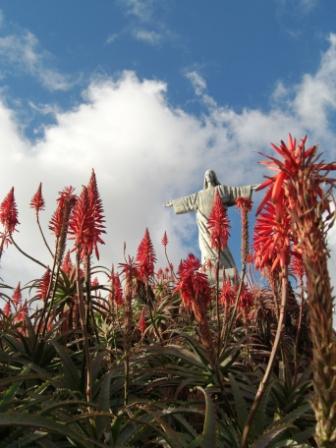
[(202, 203)]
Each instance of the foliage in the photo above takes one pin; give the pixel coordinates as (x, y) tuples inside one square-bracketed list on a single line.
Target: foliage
[(149, 357)]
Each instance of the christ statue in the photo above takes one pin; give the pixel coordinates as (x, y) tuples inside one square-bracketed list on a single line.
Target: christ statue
[(202, 203)]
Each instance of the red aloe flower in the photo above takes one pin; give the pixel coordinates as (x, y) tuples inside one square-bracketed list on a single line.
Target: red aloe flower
[(146, 258), (43, 285), (8, 212), (164, 239), (297, 266), (21, 314), (117, 293), (193, 285), (294, 158), (67, 266), (129, 270), (272, 237), (218, 224), (66, 200), (142, 321), (96, 207), (195, 292), (95, 282), (86, 222), (228, 293), (81, 225), (7, 309), (244, 203), (249, 258), (246, 299), (17, 296), (37, 201)]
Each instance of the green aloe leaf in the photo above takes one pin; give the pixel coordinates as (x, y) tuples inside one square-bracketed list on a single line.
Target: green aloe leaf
[(208, 437), (43, 423), (71, 374)]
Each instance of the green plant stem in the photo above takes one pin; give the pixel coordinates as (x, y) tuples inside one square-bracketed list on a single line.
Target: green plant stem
[(263, 383), (169, 264), (42, 233), (217, 306), (298, 332), (127, 331), (83, 319), (3, 240), (27, 255), (45, 306), (235, 307), (155, 329)]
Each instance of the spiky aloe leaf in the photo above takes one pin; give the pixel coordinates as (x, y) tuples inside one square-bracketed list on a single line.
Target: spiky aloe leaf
[(38, 422), (285, 426), (72, 376), (208, 437), (103, 402), (239, 402)]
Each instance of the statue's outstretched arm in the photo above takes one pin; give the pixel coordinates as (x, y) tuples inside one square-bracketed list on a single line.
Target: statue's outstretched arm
[(184, 204), (231, 194)]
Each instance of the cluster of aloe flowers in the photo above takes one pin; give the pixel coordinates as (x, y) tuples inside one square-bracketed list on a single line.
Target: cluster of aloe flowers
[(157, 357)]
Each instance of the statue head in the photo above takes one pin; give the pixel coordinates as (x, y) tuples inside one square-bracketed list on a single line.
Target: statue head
[(210, 179)]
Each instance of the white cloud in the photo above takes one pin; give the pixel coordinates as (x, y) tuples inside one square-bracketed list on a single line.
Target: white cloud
[(308, 5), (147, 22), (111, 38), (145, 151), (22, 51), (147, 36), (301, 6), (198, 82), (200, 87), (141, 9)]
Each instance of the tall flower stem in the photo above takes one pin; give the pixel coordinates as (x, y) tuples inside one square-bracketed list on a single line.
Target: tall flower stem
[(83, 319), (127, 333), (233, 314), (217, 305), (298, 333), (90, 322), (268, 371), (169, 263), (51, 289), (2, 244), (42, 233), (27, 255), (151, 316)]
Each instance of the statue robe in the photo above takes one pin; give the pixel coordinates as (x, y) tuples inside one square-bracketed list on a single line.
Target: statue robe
[(202, 203)]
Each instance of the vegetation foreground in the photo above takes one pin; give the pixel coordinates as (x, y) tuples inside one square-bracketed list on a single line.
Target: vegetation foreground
[(158, 358)]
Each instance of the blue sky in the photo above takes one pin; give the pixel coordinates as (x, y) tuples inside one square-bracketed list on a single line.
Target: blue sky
[(151, 93)]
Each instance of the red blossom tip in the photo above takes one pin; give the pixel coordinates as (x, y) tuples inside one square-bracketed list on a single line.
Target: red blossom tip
[(66, 200), (7, 309), (117, 292), (244, 203), (164, 239), (17, 296), (67, 266), (193, 285), (8, 212), (218, 224), (146, 257), (37, 201), (142, 325), (43, 286)]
